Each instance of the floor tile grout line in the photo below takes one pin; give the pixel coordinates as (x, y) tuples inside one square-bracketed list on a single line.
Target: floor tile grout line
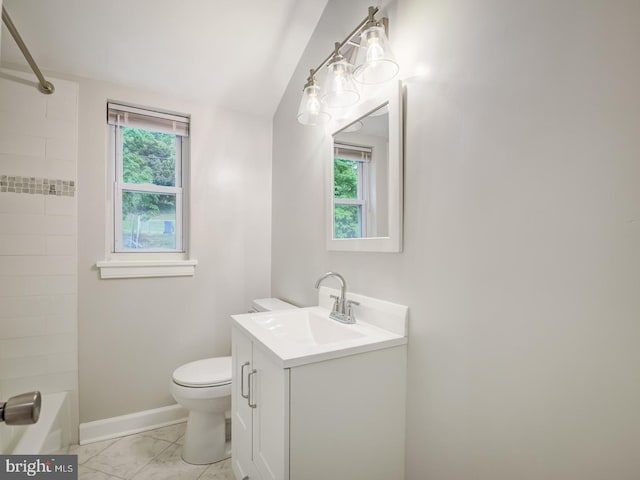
[(102, 451), (97, 453), (203, 472), (152, 459), (105, 473)]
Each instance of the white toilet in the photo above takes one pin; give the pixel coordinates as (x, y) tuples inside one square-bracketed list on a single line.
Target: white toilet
[(204, 388)]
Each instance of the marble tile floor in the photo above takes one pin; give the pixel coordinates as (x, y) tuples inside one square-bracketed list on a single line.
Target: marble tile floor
[(154, 454)]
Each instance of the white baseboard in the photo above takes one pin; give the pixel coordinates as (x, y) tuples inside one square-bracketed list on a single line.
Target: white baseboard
[(133, 423)]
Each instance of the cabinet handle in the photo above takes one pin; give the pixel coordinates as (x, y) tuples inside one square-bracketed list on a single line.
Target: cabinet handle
[(246, 364), (252, 405)]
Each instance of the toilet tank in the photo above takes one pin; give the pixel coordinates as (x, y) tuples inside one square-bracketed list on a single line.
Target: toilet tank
[(269, 304)]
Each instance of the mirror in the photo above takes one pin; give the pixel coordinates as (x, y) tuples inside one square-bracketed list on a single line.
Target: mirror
[(365, 188)]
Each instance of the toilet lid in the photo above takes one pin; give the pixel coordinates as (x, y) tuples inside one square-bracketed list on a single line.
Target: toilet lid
[(204, 373)]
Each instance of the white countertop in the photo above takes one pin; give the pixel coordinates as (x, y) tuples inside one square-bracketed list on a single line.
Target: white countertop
[(307, 335)]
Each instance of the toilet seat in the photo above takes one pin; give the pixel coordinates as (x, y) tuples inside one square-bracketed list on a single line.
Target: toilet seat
[(210, 372)]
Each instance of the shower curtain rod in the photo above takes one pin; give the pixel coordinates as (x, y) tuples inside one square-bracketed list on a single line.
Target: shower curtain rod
[(44, 86)]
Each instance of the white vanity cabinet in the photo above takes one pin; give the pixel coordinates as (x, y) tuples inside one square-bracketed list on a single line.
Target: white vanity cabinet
[(259, 418), (338, 418)]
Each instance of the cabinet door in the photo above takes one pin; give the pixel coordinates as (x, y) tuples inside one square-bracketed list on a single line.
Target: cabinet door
[(270, 395), (241, 412)]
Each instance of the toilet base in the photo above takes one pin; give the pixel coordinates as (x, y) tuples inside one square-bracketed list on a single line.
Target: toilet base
[(204, 440)]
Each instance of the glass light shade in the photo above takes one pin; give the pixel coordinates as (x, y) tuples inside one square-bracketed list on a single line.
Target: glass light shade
[(312, 110), (340, 89), (375, 62)]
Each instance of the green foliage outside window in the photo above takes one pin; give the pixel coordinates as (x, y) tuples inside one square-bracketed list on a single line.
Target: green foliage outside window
[(345, 174), (346, 217), (148, 157), (148, 219)]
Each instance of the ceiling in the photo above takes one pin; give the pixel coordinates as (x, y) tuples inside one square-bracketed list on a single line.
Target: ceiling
[(236, 53)]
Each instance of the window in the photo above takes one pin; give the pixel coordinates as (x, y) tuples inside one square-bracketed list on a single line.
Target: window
[(149, 160), (350, 203), (148, 194)]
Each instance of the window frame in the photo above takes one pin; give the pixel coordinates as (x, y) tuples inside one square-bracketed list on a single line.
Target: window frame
[(120, 186), (138, 263)]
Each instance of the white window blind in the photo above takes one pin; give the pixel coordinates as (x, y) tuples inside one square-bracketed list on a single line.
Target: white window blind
[(354, 153), (132, 117)]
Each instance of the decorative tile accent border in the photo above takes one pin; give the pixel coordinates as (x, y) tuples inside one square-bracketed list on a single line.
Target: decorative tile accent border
[(38, 186)]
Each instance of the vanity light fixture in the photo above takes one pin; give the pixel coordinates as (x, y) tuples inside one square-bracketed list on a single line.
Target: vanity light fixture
[(340, 89), (375, 64), (375, 60), (312, 109)]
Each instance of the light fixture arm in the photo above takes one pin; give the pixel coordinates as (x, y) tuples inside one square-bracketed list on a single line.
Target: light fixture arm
[(337, 56), (371, 21), (374, 64), (338, 45), (311, 80)]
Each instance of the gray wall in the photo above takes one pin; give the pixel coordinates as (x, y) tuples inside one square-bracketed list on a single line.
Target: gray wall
[(521, 261), (134, 332)]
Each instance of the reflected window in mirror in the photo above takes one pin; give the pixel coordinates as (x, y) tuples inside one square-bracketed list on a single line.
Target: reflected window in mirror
[(360, 174), (351, 195)]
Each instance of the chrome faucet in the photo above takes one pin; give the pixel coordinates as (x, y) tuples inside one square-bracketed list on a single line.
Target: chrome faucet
[(342, 308)]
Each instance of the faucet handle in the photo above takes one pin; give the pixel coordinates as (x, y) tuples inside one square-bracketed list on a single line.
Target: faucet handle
[(335, 303), (349, 312)]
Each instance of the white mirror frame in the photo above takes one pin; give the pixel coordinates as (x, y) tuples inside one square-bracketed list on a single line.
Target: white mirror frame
[(391, 95)]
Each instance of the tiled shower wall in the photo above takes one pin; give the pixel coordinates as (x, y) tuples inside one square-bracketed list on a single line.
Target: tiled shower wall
[(38, 239)]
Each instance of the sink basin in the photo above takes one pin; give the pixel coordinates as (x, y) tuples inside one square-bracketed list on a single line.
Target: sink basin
[(307, 335), (306, 327)]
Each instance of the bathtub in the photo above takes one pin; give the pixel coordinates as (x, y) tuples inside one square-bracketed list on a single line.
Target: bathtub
[(49, 435)]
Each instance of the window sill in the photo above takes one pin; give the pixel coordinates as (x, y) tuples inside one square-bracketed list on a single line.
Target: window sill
[(146, 268)]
